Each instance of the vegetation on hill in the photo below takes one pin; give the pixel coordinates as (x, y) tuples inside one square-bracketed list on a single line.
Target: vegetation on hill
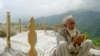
[(86, 21)]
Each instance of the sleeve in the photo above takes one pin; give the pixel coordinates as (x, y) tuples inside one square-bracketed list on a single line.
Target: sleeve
[(60, 38)]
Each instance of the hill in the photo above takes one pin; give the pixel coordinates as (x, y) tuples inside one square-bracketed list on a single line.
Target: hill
[(87, 21)]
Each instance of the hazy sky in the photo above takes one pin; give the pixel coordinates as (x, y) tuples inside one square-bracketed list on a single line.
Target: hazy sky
[(37, 8)]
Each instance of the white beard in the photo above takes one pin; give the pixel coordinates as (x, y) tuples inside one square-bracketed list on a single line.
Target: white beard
[(72, 32)]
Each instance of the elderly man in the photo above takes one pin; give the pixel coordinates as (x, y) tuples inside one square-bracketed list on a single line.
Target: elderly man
[(70, 42)]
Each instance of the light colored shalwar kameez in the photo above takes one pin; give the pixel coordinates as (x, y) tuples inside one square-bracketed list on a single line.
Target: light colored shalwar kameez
[(65, 46)]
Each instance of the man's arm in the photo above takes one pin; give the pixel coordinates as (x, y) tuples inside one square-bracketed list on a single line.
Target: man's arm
[(60, 38), (78, 39)]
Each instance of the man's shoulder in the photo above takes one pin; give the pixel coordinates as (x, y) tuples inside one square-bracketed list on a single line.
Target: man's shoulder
[(61, 31)]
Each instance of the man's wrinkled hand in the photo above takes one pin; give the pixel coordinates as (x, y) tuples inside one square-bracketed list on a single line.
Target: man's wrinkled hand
[(78, 40)]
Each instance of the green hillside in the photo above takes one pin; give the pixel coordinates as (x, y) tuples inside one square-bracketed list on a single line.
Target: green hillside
[(87, 21)]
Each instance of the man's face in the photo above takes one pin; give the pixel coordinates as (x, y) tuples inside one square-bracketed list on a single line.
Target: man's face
[(70, 24)]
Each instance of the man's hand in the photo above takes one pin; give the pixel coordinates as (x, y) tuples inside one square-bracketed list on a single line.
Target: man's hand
[(78, 40)]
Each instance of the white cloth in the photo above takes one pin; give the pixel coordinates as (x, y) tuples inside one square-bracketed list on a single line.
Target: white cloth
[(63, 50)]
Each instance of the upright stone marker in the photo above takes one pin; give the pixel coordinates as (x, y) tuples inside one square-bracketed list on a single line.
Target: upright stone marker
[(55, 28), (45, 27), (20, 26), (8, 30), (32, 38)]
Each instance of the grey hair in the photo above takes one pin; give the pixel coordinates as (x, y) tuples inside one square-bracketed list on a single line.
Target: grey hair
[(65, 20)]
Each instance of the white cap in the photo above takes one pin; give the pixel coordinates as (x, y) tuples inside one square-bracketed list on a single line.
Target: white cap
[(64, 21)]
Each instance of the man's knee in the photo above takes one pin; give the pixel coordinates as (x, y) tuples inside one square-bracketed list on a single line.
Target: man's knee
[(63, 43), (88, 41)]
